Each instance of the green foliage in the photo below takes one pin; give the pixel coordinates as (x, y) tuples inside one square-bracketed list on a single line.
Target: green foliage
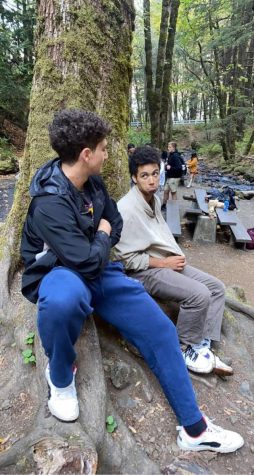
[(139, 136), (30, 338), (5, 149), (28, 355), (17, 22), (8, 159), (210, 150), (111, 424)]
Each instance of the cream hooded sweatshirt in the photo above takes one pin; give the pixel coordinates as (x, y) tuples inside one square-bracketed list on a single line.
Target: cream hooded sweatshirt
[(145, 232)]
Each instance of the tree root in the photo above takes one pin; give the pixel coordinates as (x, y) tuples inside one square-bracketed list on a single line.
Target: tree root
[(240, 307), (48, 446)]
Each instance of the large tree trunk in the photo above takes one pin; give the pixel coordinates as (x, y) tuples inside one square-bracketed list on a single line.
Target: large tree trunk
[(158, 92), (166, 122), (83, 60)]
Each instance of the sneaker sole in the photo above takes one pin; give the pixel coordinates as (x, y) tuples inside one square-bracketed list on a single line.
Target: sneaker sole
[(220, 450), (222, 372)]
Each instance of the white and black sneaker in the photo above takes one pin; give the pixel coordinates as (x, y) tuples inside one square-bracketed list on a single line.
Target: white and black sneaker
[(214, 438), (219, 367), (196, 361), (63, 402)]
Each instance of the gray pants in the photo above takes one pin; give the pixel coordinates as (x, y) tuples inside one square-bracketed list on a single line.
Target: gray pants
[(201, 298)]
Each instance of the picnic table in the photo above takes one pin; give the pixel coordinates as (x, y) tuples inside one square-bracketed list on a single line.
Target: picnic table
[(229, 218), (173, 218)]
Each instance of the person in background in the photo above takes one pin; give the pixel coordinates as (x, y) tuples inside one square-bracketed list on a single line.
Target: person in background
[(192, 165), (173, 167), (130, 149), (162, 173)]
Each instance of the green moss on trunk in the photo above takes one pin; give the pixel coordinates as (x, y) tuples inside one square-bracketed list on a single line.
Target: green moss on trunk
[(83, 60)]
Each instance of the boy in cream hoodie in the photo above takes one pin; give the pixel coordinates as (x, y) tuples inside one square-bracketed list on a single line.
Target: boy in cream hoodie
[(150, 253)]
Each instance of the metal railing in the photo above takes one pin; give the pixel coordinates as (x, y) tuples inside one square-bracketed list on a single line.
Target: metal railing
[(137, 123)]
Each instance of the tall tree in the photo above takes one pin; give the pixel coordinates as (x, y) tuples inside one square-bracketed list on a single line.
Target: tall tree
[(158, 83), (219, 37), (83, 60), (17, 21)]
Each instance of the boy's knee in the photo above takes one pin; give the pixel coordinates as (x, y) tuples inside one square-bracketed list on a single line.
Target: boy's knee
[(220, 287), (202, 296)]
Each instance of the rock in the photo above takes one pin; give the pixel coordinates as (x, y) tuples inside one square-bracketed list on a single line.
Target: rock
[(236, 293), (174, 448), (186, 468), (252, 448), (245, 390), (126, 402), (120, 375), (147, 393), (5, 405), (233, 419), (8, 166)]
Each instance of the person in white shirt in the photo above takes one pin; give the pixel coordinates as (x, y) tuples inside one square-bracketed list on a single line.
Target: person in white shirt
[(150, 254)]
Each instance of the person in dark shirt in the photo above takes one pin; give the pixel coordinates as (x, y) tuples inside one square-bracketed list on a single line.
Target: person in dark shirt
[(173, 167)]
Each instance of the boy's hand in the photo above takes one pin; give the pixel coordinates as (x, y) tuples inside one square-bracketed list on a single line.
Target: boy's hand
[(176, 263), (105, 226)]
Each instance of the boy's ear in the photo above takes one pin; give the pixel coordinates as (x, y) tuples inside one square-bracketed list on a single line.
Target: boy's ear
[(86, 153), (134, 179)]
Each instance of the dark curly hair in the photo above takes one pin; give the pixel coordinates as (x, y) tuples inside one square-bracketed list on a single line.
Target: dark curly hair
[(143, 156), (74, 129)]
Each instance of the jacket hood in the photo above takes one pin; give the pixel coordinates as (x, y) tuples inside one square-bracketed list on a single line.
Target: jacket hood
[(49, 180)]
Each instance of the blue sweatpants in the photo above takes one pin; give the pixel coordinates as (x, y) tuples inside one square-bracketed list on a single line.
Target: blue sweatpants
[(66, 300)]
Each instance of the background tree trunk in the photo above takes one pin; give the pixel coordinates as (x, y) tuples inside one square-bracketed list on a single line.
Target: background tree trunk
[(158, 91)]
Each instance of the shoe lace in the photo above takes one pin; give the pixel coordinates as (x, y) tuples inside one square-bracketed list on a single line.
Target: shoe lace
[(191, 353), (212, 427)]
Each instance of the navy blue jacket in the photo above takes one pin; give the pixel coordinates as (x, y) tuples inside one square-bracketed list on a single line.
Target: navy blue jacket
[(175, 163), (57, 231)]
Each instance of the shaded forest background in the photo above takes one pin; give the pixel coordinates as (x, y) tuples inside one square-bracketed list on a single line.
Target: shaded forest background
[(192, 60)]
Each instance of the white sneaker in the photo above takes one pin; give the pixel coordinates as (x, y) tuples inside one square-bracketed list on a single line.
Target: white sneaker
[(63, 402), (219, 368), (214, 438), (196, 361)]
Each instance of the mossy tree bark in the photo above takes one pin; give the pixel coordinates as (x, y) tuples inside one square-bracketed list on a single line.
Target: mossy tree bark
[(83, 60), (158, 90)]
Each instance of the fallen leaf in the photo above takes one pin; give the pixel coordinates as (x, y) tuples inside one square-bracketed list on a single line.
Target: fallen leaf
[(3, 441), (132, 429)]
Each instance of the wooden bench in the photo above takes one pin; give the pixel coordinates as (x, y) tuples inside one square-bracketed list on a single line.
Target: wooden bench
[(237, 228), (240, 233), (173, 218), (200, 197), (229, 218), (193, 211)]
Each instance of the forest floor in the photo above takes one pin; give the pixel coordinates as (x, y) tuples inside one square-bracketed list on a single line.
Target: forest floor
[(142, 405)]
